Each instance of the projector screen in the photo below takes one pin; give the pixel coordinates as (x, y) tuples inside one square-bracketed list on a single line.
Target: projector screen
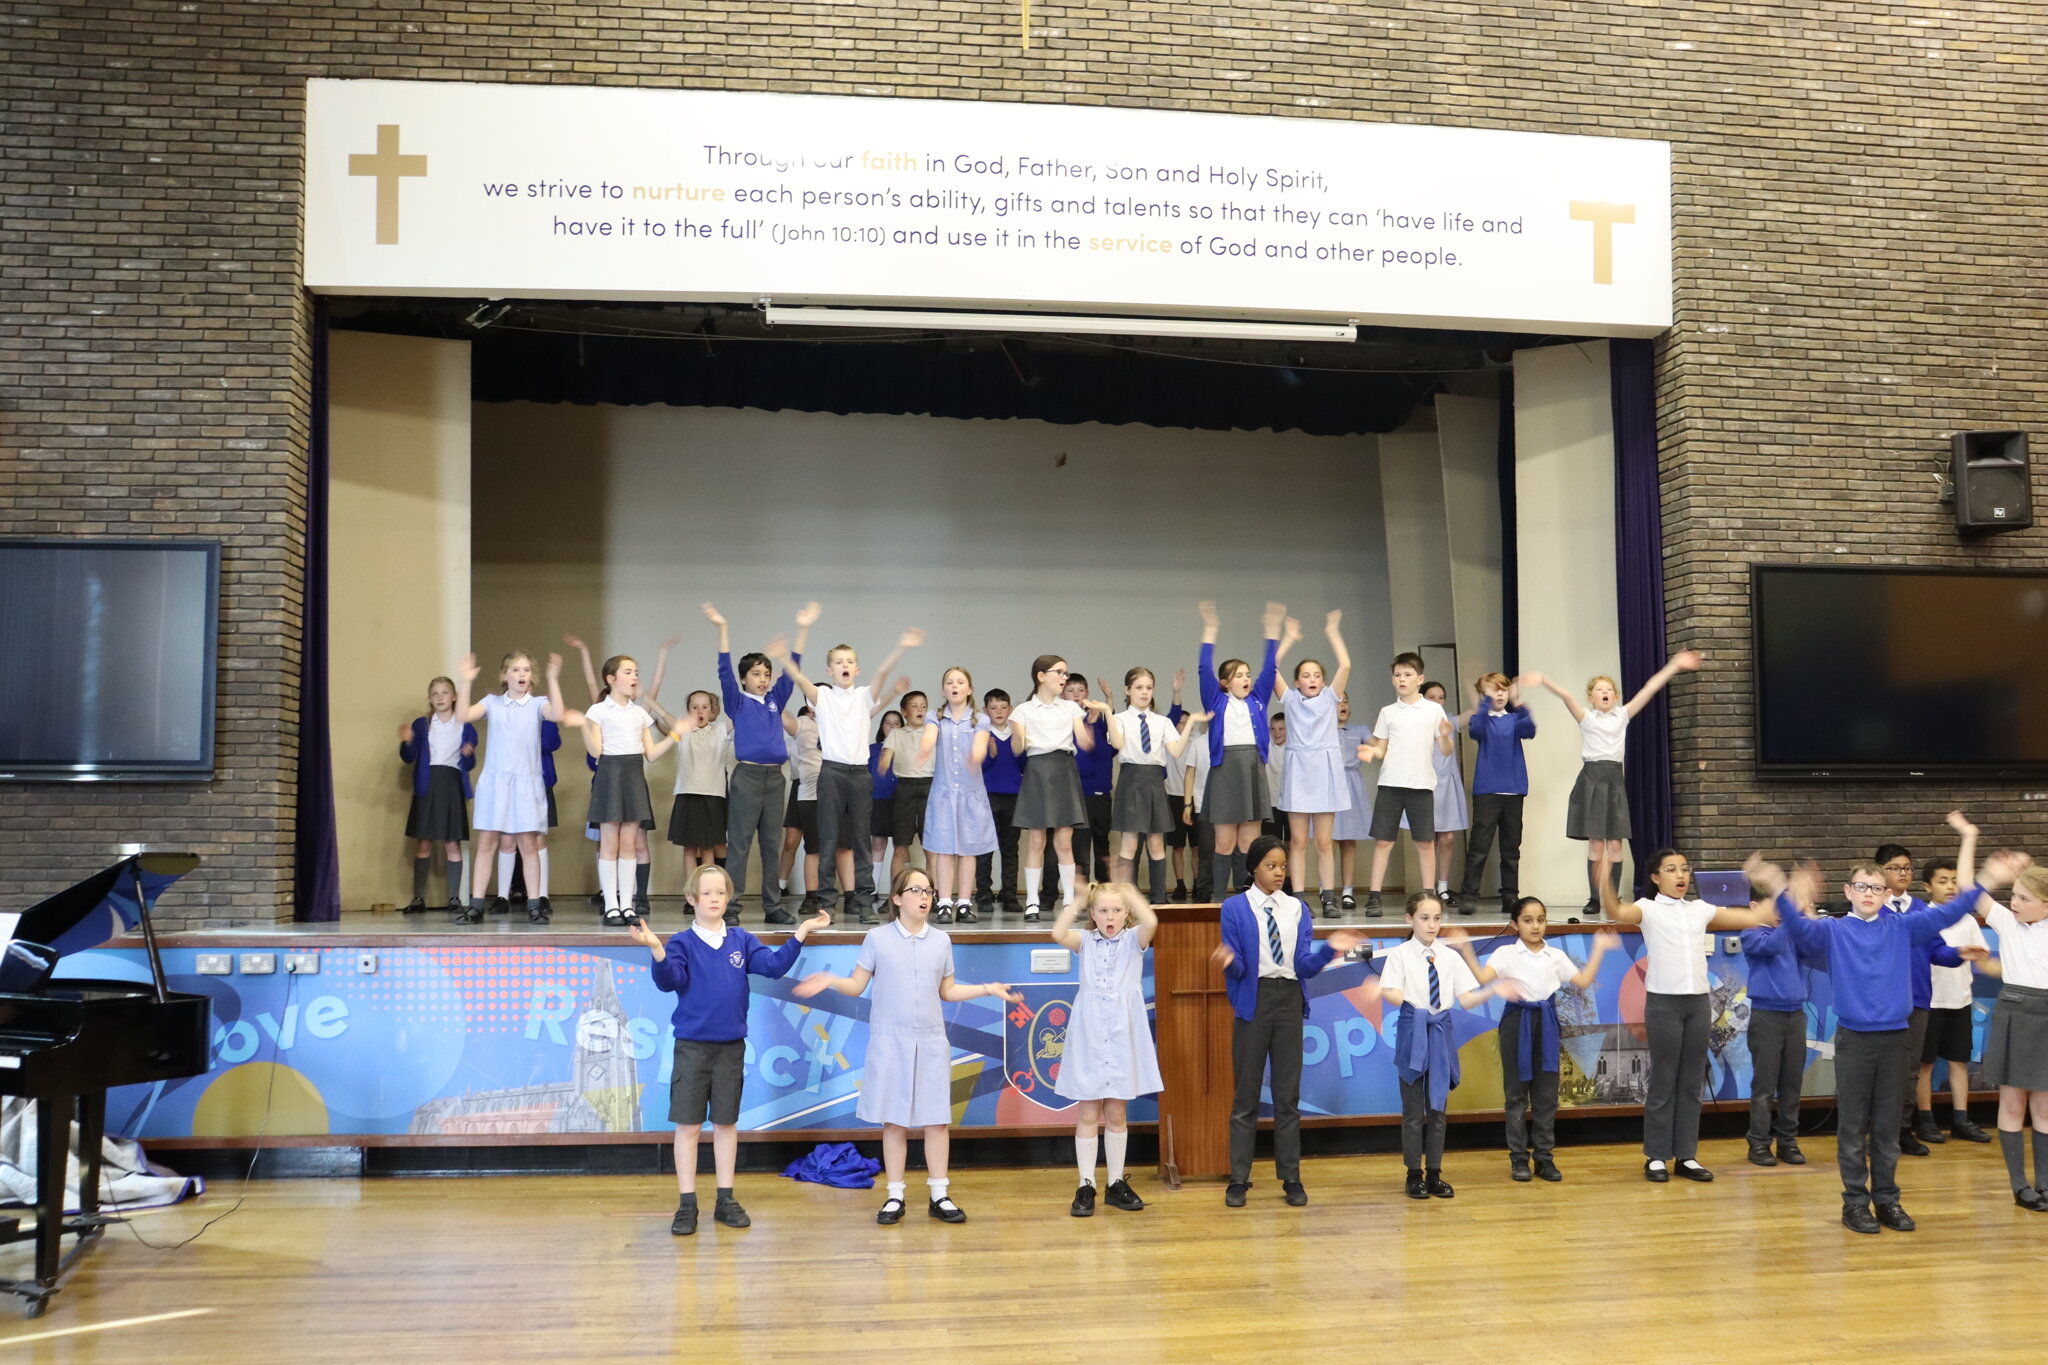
[(1899, 671), (107, 659)]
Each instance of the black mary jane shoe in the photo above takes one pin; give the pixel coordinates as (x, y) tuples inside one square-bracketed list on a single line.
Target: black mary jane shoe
[(891, 1213), (500, 906), (1655, 1174), (965, 914), (2031, 1199), (538, 911), (943, 915), (946, 1211), (416, 906), (1692, 1170)]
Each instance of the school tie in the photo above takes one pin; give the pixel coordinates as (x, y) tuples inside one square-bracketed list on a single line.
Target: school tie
[(1273, 938), (1436, 986), (1144, 734)]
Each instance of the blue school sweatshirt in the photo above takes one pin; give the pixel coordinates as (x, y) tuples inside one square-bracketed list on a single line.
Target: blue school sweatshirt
[(1931, 954), (1213, 698), (1500, 769), (885, 782), (757, 735), (1096, 764), (1002, 772), (1777, 968), (1871, 961), (710, 984)]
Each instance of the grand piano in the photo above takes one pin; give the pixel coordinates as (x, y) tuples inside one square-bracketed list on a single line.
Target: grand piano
[(65, 1040)]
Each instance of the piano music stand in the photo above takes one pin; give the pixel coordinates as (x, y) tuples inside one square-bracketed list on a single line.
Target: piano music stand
[(74, 920)]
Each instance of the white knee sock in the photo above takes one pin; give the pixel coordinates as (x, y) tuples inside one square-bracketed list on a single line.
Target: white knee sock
[(624, 880), (1084, 1157), (608, 882), (1113, 1144), (544, 875), (506, 862), (1032, 877), (1066, 883)]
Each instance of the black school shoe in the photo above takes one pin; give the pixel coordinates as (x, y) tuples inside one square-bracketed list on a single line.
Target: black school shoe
[(1859, 1218), (1911, 1145), (1372, 904), (1895, 1218), (472, 913), (964, 913), (1789, 1153), (1234, 1193), (416, 906), (2031, 1199), (1518, 1169), (538, 911), (1926, 1129), (1297, 1193), (890, 1213), (1968, 1131), (729, 1213), (732, 914), (1546, 1169), (500, 906), (779, 916), (1760, 1154), (1692, 1170), (1417, 1188), (946, 1211), (1120, 1195), (684, 1224), (1084, 1202), (1436, 1185), (1656, 1174)]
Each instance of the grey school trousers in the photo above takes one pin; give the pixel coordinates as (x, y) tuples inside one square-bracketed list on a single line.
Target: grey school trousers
[(1777, 1066), (1677, 1025), (1870, 1072), (753, 809), (1272, 1033)]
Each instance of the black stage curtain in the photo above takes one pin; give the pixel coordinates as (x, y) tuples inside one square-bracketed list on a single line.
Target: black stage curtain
[(316, 867), (1639, 576), (943, 379)]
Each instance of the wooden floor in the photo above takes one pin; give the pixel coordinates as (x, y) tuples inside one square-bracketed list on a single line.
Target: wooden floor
[(1753, 1268)]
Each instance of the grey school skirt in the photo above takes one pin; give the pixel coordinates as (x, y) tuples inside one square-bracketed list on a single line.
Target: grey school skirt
[(618, 794), (1599, 804), (1140, 804), (1237, 793), (1051, 795), (2016, 1049)]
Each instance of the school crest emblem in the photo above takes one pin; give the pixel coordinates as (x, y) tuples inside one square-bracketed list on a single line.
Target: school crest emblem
[(1035, 1042)]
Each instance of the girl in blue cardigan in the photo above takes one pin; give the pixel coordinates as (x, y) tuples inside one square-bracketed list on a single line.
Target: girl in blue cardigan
[(441, 747)]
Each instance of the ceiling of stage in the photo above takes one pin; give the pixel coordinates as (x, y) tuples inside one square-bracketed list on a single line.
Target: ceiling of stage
[(723, 356)]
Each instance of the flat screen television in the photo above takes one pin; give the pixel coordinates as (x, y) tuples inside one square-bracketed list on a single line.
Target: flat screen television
[(107, 659), (1908, 672)]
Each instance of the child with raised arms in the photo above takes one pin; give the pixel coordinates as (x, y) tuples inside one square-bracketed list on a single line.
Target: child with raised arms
[(1237, 795), (756, 698), (442, 750), (1354, 822), (1951, 1033), (908, 1078), (1313, 785), (1140, 811), (1423, 981), (1776, 1037), (2016, 1051), (1410, 732), (845, 787), (1453, 814), (706, 966), (1598, 812), (1268, 953), (958, 826), (511, 803), (1109, 1059), (1050, 729), (1531, 1054), (1677, 1013), (621, 737), (1871, 955)]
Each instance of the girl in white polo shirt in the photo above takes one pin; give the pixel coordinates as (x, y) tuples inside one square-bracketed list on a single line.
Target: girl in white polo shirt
[(1676, 1013), (1598, 812)]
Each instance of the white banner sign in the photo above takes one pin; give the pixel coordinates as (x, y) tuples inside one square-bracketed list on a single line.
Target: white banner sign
[(430, 188)]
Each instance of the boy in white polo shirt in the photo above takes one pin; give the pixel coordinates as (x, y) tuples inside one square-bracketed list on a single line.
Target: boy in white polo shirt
[(845, 716), (1401, 741)]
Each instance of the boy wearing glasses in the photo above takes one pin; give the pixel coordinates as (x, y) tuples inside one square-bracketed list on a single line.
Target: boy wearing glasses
[(1871, 956)]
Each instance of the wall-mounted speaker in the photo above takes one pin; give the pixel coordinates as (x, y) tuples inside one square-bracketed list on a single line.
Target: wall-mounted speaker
[(1990, 473)]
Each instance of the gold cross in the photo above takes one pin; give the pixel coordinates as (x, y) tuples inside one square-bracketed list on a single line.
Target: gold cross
[(1603, 217), (387, 166)]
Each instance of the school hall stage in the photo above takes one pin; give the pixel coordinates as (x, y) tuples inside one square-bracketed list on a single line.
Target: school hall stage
[(1752, 1268)]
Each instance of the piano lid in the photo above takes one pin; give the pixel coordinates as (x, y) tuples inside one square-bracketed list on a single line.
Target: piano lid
[(103, 905)]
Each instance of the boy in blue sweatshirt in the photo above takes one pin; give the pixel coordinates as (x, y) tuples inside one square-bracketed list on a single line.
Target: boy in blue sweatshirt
[(1002, 774), (1500, 784), (756, 695), (706, 966), (1778, 993), (1871, 956)]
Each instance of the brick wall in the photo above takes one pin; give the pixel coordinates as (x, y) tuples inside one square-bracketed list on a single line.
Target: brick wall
[(1858, 193)]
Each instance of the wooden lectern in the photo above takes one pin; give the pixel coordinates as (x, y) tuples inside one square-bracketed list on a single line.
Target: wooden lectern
[(1192, 1016)]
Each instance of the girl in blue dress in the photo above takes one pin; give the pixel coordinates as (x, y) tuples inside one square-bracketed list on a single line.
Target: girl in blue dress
[(1313, 787), (958, 824), (1108, 1059), (907, 1081)]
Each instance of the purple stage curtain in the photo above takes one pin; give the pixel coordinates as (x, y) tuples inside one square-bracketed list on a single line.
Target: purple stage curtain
[(1639, 589), (316, 872)]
